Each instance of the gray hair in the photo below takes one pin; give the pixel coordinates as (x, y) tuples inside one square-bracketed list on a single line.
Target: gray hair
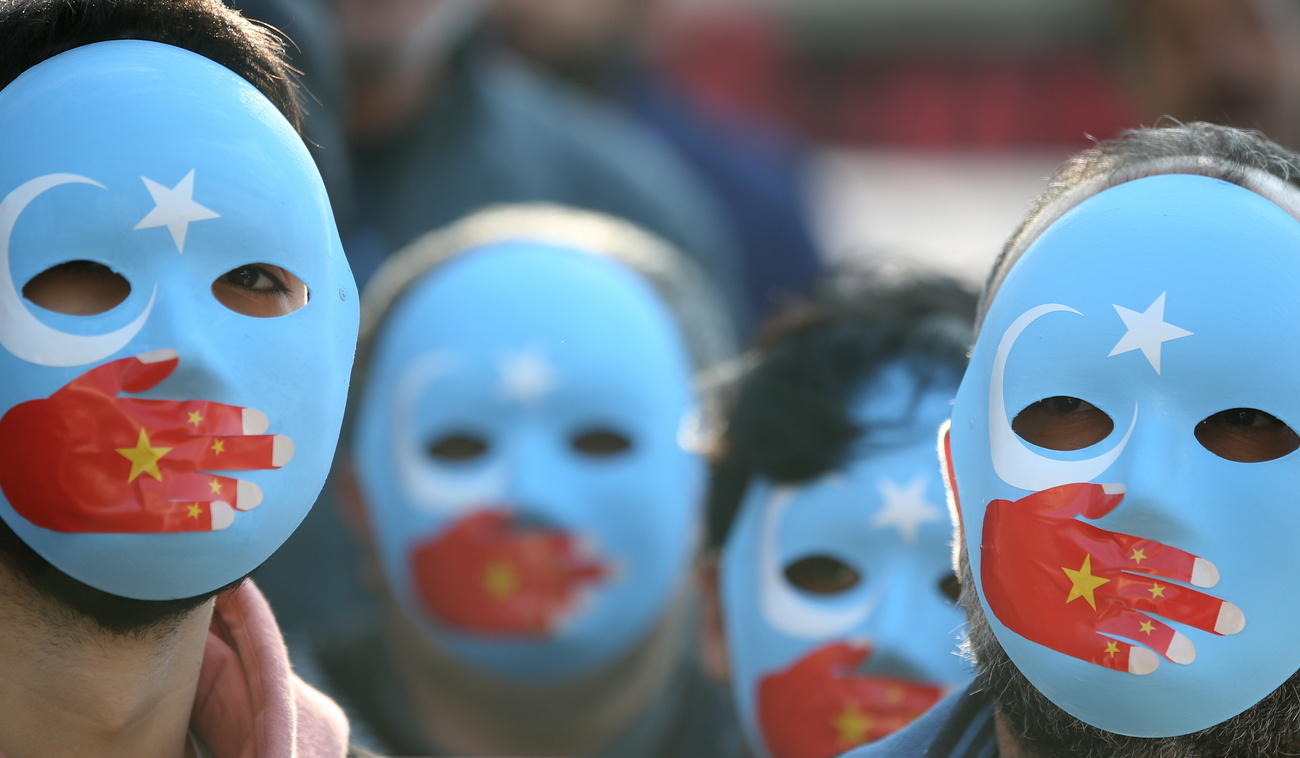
[(1243, 157)]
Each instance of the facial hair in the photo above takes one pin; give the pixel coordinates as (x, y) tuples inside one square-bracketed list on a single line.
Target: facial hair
[(1269, 728)]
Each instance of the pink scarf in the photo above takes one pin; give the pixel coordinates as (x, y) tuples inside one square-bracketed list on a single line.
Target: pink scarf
[(249, 702)]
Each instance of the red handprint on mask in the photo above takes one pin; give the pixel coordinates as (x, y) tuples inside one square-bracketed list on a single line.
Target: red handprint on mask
[(485, 575), (822, 705), (1067, 584), (86, 460)]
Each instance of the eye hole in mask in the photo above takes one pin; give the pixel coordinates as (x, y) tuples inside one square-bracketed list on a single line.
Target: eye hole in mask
[(822, 575), (78, 288), (950, 587), (600, 442), (459, 447), (1246, 435), (261, 290), (1062, 423)]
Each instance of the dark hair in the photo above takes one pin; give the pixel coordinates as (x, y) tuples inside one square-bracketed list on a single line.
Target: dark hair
[(33, 31), (1220, 152), (36, 30), (787, 417)]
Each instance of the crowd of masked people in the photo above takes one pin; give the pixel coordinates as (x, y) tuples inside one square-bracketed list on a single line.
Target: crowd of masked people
[(521, 396)]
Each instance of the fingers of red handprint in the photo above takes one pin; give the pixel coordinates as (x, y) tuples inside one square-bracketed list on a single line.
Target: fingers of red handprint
[(200, 487), (1115, 550), (195, 417), (1181, 604), (1114, 654), (154, 516), (135, 374), (179, 516), (1152, 633), (263, 451), (1091, 501)]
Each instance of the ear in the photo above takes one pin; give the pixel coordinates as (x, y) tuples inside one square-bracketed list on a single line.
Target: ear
[(348, 491), (356, 515), (713, 636), (950, 486), (949, 476)]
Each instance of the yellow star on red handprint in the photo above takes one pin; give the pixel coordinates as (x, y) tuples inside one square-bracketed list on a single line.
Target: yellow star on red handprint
[(1083, 582), (143, 457)]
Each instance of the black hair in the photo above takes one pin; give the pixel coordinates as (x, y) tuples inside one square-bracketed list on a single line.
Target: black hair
[(33, 31), (36, 30), (787, 417)]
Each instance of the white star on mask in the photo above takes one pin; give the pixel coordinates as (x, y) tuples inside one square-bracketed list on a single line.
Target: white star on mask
[(527, 376), (1147, 331), (906, 508), (174, 208)]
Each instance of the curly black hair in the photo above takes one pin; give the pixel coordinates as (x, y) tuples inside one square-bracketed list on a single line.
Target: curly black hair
[(787, 417)]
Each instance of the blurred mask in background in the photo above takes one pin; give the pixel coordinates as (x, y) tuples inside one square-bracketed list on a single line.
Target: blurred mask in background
[(520, 449), (838, 594)]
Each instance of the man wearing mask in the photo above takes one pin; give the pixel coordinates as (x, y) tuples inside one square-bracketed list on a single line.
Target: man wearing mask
[(178, 327), (1121, 455), (524, 477)]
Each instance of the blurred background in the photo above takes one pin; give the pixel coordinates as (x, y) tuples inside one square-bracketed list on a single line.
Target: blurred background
[(768, 138), (920, 127)]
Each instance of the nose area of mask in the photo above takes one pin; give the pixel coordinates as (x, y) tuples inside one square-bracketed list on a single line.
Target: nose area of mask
[(538, 478)]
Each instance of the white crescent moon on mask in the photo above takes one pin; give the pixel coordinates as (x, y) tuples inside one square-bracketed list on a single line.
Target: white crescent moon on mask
[(23, 334), (427, 484), (1015, 463), (783, 607)]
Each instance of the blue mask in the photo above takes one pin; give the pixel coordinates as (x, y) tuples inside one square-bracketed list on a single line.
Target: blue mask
[(819, 662), (167, 446), (518, 449), (1123, 576)]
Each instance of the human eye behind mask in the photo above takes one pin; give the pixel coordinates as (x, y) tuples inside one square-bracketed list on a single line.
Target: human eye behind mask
[(1062, 422), (262, 290)]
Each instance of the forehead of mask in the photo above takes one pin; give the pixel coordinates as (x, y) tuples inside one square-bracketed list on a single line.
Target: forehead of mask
[(883, 517), (524, 346), (1161, 301), (85, 135)]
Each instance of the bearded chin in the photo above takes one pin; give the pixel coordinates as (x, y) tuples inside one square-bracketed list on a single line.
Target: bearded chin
[(1269, 728)]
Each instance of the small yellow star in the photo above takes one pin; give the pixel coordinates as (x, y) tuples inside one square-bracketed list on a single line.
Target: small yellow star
[(195, 510), (1156, 591), (1146, 627), (196, 418), (1111, 648), (215, 486), (852, 725), (1083, 582), (218, 447), (143, 457), (894, 694), (500, 580), (1138, 555)]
